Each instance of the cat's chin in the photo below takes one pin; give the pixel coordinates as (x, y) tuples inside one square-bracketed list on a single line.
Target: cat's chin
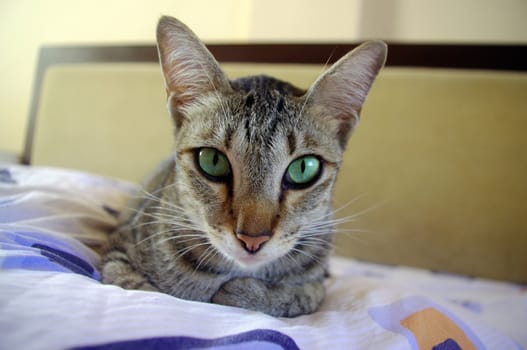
[(250, 262)]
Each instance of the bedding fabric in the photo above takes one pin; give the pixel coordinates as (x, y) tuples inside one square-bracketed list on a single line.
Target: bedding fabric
[(51, 297)]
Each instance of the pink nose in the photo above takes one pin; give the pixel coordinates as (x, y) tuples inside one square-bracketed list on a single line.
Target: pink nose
[(252, 244)]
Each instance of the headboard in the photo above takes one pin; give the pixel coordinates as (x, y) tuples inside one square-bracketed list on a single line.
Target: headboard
[(436, 169)]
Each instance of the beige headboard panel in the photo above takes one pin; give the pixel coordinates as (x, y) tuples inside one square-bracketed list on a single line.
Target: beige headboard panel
[(107, 119), (437, 168), (440, 157)]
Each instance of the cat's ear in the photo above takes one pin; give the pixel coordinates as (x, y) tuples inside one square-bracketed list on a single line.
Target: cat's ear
[(189, 69), (339, 93)]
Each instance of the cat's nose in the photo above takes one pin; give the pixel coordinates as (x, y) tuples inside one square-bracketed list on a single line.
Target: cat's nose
[(253, 243)]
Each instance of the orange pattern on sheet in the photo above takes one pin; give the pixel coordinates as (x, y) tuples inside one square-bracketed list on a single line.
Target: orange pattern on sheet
[(431, 327)]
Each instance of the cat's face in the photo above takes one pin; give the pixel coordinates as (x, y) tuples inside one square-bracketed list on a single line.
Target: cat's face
[(257, 170), (256, 159)]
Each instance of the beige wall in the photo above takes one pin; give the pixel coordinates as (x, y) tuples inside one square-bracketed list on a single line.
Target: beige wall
[(25, 25), (445, 20), (301, 20)]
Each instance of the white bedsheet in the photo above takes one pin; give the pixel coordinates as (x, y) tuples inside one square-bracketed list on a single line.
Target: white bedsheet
[(50, 296)]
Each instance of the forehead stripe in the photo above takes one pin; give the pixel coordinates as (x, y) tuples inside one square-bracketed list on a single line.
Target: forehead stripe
[(291, 142)]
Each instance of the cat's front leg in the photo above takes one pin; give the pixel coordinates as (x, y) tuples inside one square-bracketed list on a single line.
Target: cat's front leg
[(117, 269), (280, 300)]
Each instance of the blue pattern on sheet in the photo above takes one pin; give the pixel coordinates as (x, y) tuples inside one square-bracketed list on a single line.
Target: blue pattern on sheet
[(39, 251), (6, 177), (448, 344), (258, 339)]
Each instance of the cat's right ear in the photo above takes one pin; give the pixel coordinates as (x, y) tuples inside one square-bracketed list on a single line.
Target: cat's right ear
[(339, 93), (189, 69)]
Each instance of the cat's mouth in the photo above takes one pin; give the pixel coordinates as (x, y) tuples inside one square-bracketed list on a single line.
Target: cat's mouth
[(264, 251), (250, 251), (252, 258)]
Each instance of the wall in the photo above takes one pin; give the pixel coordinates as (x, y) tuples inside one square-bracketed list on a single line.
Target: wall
[(445, 21), (25, 25), (301, 20)]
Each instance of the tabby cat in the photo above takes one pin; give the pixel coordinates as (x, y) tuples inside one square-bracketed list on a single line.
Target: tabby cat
[(241, 213)]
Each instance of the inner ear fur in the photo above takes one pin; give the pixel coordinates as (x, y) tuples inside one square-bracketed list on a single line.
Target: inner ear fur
[(189, 69), (339, 93)]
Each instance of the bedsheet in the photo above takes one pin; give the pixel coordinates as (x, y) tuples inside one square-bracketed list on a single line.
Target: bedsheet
[(51, 297)]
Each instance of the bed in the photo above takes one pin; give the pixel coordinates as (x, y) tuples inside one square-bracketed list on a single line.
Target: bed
[(440, 280)]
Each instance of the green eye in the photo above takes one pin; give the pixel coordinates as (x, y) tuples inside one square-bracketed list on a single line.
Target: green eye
[(213, 164), (302, 171)]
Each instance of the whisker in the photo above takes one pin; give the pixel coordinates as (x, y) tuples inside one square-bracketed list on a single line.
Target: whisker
[(290, 258), (177, 237), (172, 221), (353, 230), (183, 251), (208, 254), (324, 226), (315, 243), (307, 254), (157, 234), (371, 208), (342, 207), (174, 225), (160, 200)]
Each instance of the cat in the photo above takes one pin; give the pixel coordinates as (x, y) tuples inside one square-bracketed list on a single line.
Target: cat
[(241, 213)]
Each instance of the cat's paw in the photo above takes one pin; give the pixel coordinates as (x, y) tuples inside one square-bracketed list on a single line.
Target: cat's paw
[(240, 292), (117, 269), (274, 299)]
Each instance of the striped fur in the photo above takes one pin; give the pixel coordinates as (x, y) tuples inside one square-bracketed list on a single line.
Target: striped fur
[(181, 235)]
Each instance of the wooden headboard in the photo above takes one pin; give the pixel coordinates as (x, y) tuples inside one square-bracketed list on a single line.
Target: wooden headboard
[(455, 56)]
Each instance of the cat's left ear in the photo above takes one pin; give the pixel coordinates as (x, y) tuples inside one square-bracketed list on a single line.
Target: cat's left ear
[(189, 69), (339, 93)]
